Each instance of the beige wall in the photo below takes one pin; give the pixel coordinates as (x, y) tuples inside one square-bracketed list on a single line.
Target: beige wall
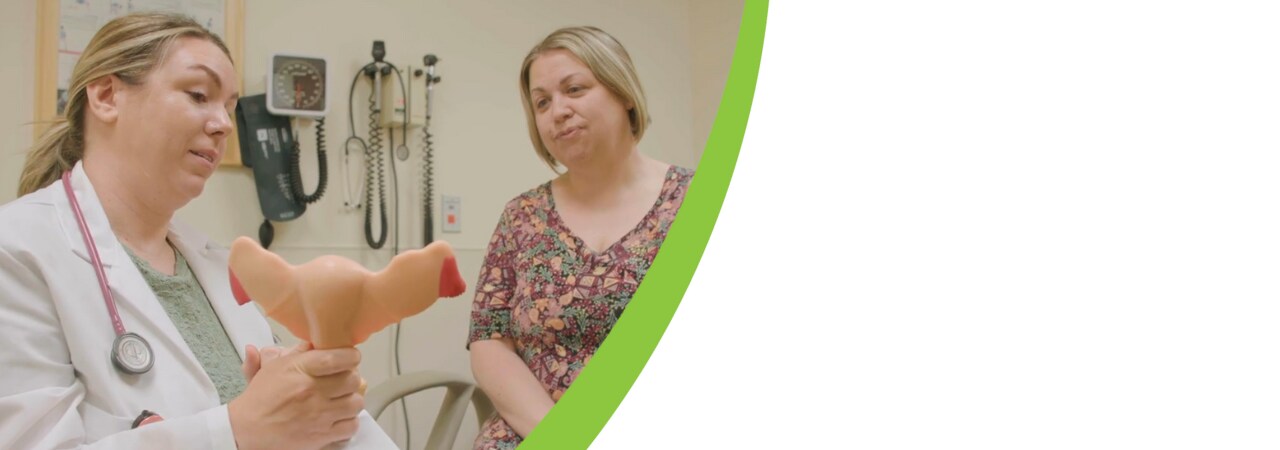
[(17, 44), (682, 49), (714, 28)]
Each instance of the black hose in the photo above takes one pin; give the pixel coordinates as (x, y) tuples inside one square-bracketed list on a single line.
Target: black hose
[(322, 163), (373, 160)]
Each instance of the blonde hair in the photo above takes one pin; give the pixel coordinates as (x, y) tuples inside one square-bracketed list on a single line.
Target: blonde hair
[(128, 47), (608, 62)]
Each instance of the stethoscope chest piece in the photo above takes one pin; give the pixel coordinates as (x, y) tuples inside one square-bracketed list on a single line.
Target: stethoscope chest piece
[(132, 354)]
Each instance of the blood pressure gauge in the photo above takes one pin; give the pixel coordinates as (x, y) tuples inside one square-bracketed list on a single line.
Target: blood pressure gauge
[(298, 86)]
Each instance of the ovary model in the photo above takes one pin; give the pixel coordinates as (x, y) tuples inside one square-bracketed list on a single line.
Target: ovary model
[(334, 302)]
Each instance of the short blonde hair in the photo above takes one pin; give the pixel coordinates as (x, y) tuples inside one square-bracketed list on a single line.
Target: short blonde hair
[(129, 47), (608, 61)]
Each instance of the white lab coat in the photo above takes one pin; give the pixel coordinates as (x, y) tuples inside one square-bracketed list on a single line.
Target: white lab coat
[(58, 387)]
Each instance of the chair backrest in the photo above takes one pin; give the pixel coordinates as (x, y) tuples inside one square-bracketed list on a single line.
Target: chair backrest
[(459, 392)]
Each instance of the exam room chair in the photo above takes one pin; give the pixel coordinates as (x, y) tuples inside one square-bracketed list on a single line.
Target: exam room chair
[(459, 392)]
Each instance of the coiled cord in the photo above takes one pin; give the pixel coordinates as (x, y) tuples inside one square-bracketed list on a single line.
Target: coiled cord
[(428, 192), (373, 175), (295, 172)]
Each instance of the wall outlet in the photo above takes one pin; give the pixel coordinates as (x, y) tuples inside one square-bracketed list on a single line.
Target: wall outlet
[(451, 217)]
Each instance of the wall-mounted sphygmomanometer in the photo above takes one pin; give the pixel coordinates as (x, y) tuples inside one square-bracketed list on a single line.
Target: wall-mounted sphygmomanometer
[(297, 86)]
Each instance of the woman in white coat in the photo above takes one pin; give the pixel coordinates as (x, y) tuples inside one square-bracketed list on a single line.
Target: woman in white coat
[(118, 324)]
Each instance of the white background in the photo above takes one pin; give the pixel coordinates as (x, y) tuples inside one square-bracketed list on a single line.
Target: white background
[(990, 225)]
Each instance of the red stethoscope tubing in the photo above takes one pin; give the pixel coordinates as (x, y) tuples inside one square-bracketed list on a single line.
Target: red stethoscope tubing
[(93, 255)]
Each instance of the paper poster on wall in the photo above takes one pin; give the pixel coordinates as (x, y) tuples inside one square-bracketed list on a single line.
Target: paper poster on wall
[(80, 19), (64, 28)]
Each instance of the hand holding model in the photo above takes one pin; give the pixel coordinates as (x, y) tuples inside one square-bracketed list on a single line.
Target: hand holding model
[(331, 303)]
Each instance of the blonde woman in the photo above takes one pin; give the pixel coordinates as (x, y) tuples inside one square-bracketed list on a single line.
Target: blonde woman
[(119, 324), (567, 255)]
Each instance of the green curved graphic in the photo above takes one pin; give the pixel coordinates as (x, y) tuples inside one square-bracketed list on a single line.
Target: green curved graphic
[(580, 415)]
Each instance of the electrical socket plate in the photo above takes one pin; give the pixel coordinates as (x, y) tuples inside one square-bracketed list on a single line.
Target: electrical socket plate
[(451, 219)]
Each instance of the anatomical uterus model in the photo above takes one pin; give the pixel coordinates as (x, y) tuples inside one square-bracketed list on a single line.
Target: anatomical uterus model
[(334, 302)]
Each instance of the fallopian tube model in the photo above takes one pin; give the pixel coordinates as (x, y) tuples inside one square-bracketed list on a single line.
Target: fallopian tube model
[(334, 302)]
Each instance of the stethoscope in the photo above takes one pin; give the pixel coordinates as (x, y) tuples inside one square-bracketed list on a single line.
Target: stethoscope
[(130, 353)]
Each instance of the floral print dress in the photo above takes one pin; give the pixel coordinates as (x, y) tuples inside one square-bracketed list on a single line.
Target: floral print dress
[(556, 299)]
